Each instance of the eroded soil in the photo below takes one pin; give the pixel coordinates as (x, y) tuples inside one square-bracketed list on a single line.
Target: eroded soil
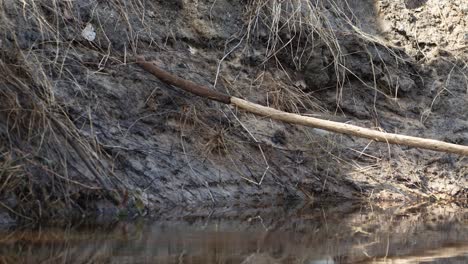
[(397, 73)]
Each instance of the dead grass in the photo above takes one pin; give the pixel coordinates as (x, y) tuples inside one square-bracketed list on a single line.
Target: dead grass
[(297, 28), (39, 142), (292, 30)]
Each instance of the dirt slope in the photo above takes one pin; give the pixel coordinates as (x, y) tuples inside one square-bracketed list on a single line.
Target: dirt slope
[(398, 66)]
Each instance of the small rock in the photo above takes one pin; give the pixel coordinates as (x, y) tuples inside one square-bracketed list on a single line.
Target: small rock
[(316, 75), (88, 32), (279, 137), (413, 4), (5, 219), (259, 259), (394, 80)]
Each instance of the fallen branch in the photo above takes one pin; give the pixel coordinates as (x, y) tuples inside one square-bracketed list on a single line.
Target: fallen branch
[(272, 113)]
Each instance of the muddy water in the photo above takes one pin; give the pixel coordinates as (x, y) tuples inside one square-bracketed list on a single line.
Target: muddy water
[(317, 233)]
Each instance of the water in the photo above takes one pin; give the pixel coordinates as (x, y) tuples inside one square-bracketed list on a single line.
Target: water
[(319, 234)]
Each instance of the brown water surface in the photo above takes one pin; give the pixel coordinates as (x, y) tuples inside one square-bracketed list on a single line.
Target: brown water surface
[(318, 233)]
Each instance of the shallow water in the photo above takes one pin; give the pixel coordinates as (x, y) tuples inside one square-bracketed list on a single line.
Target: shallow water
[(339, 233)]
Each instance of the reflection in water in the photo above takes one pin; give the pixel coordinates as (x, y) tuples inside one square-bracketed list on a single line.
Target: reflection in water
[(319, 234)]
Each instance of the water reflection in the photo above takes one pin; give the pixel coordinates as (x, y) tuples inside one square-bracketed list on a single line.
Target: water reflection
[(319, 234)]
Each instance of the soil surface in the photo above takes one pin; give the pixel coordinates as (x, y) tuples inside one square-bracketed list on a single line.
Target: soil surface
[(396, 66)]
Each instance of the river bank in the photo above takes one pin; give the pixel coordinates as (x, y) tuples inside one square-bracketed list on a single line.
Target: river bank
[(83, 129)]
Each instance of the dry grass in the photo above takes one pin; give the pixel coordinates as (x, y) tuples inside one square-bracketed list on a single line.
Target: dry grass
[(36, 171), (297, 28), (293, 30), (38, 140)]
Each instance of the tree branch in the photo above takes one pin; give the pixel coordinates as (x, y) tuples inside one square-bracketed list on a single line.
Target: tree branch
[(272, 113)]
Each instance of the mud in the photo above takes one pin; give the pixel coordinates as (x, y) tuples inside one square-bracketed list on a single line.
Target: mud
[(399, 73)]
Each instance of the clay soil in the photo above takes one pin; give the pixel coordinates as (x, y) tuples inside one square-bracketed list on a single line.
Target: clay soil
[(84, 129)]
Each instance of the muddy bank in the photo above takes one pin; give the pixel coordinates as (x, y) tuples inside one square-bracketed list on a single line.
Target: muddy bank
[(84, 129)]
